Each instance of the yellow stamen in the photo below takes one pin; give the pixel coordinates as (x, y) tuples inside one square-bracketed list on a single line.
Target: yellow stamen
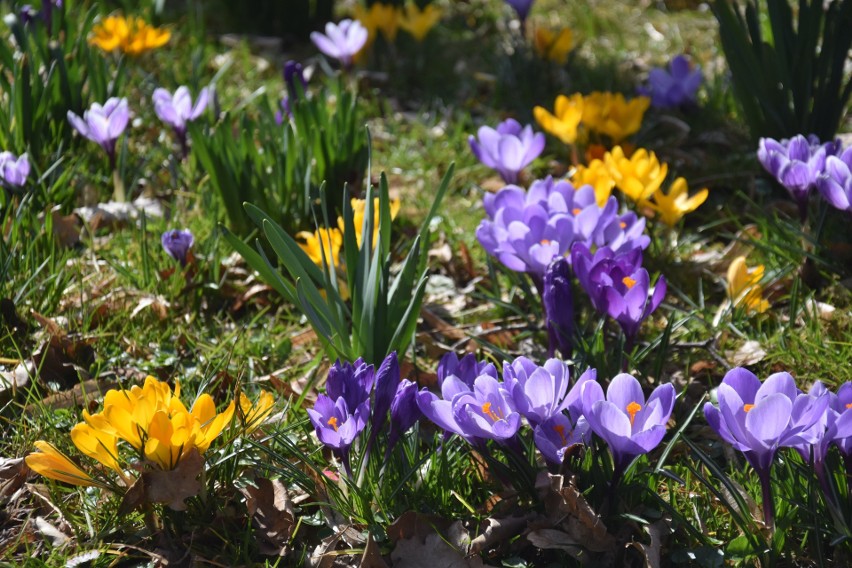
[(623, 225), (748, 407), (632, 409), (629, 282), (333, 422)]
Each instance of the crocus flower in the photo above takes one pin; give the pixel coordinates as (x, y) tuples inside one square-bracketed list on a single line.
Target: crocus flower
[(177, 244), (675, 86), (624, 420), (283, 111), (103, 124), (487, 411), (337, 426), (796, 164), (744, 287), (341, 41), (466, 369), (294, 75), (554, 45), (387, 382), (623, 234), (253, 415), (597, 175), (352, 382), (132, 36), (835, 182), (758, 419), (593, 270), (559, 306), (419, 22), (672, 206), (404, 411), (612, 115), (563, 123), (53, 464), (541, 392), (557, 434), (177, 110), (14, 170), (639, 176), (323, 245), (508, 149), (521, 7)]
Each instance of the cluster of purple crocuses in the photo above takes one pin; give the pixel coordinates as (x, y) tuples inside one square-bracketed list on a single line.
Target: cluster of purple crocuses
[(759, 419), (802, 164), (674, 87), (477, 406), (357, 395)]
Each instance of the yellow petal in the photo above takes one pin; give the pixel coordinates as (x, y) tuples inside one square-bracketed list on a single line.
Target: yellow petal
[(51, 463), (97, 444)]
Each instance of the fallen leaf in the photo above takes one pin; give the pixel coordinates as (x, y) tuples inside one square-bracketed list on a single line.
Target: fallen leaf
[(569, 510), (51, 533), (271, 512), (66, 229), (749, 353), (13, 474), (170, 487), (496, 530), (372, 557), (447, 551)]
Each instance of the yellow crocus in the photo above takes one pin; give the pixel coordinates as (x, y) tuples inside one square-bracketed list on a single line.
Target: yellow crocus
[(672, 206), (552, 45), (53, 464), (253, 415), (169, 437), (597, 175), (744, 288), (132, 36), (358, 207), (639, 176), (379, 17), (322, 244), (612, 115), (209, 422), (563, 124), (419, 22), (99, 444)]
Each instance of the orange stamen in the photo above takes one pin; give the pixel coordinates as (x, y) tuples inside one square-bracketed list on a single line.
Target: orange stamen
[(623, 225), (560, 429), (632, 409), (576, 211), (629, 282), (748, 407), (333, 422), (849, 405), (545, 241), (486, 409)]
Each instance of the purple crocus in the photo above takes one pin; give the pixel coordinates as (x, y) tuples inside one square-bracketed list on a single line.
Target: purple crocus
[(796, 164), (835, 181), (618, 286), (630, 425), (14, 170), (294, 74), (558, 306), (522, 7), (467, 368), (337, 425), (177, 110), (675, 86), (352, 382), (508, 149), (527, 230), (541, 392), (386, 385), (758, 419), (404, 411), (487, 411), (103, 124), (341, 41), (557, 434), (177, 244)]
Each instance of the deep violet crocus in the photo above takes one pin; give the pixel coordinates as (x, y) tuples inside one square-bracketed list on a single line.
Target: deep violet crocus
[(541, 392), (558, 306), (758, 419), (177, 243), (630, 425), (341, 41), (508, 149), (835, 181), (103, 124), (386, 384), (404, 411), (14, 170), (294, 74), (796, 164), (675, 86), (177, 110), (521, 7)]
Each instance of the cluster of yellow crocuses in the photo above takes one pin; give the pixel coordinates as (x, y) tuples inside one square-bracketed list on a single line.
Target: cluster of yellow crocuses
[(327, 242), (132, 35), (602, 113), (153, 421), (553, 45), (389, 19)]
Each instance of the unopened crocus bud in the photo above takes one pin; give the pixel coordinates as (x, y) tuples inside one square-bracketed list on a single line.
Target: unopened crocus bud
[(177, 244), (559, 306)]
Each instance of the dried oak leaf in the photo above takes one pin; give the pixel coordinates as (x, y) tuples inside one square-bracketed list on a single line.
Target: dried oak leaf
[(271, 512), (372, 556), (568, 509), (170, 487)]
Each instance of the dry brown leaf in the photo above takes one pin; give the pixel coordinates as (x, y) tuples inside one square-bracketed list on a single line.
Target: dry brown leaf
[(651, 551), (271, 512), (372, 556), (13, 474), (66, 229), (170, 487), (496, 530), (77, 395), (568, 509), (448, 550), (550, 539)]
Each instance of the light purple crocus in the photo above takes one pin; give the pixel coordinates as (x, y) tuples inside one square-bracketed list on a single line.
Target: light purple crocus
[(835, 181), (341, 41), (337, 426), (521, 7), (177, 243), (527, 230), (103, 124), (177, 110), (556, 435), (758, 419), (487, 411), (675, 86), (630, 425), (796, 163), (467, 368), (508, 149), (558, 304), (541, 392), (14, 170)]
